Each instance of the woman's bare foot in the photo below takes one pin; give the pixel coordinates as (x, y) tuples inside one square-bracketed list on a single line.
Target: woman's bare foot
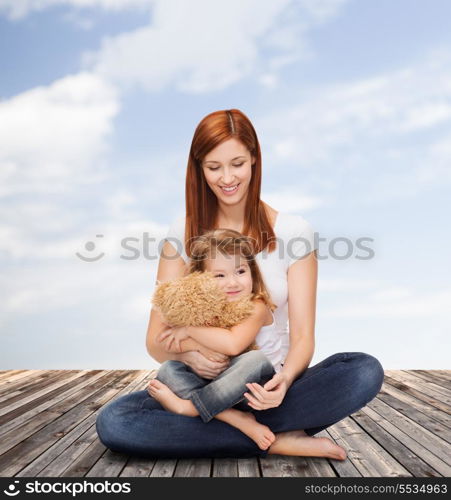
[(248, 425), (171, 401), (298, 443)]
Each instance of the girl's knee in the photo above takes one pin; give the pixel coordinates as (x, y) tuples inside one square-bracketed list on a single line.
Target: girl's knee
[(255, 360), (168, 370)]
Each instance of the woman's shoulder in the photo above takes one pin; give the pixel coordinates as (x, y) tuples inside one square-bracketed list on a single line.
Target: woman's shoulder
[(291, 224)]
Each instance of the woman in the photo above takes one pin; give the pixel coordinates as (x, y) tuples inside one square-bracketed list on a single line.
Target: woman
[(223, 190)]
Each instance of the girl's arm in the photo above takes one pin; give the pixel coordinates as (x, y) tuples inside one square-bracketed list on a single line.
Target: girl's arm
[(169, 268), (233, 341), (192, 345)]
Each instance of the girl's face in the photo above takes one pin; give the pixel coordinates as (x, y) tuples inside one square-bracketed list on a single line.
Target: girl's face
[(228, 171), (232, 273)]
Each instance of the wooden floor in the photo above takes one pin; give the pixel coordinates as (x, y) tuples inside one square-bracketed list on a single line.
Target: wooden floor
[(47, 428)]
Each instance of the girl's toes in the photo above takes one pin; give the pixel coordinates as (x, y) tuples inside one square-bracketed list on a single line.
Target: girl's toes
[(157, 384)]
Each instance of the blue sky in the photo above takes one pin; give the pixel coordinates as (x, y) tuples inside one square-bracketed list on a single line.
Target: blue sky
[(98, 103)]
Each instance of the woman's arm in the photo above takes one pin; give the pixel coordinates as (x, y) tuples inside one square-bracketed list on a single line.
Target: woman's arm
[(233, 341), (169, 267), (302, 286)]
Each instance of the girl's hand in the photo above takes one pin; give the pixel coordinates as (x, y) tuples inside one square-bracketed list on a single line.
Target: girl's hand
[(202, 366), (268, 396), (212, 355), (173, 337)]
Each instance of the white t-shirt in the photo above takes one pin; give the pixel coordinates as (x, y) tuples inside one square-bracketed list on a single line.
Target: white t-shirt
[(295, 239)]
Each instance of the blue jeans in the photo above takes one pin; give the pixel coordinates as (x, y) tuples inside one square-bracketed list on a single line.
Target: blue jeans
[(211, 397), (136, 424)]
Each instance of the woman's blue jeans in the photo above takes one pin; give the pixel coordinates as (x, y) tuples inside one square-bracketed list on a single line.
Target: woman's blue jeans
[(136, 424)]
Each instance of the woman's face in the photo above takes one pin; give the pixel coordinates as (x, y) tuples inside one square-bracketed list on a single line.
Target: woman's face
[(232, 273), (228, 171)]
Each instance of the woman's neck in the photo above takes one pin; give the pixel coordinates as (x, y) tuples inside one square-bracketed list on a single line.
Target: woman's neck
[(231, 217)]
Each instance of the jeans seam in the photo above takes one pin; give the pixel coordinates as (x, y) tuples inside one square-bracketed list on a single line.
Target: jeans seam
[(203, 412)]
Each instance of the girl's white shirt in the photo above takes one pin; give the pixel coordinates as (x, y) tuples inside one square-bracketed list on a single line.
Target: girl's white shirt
[(294, 239)]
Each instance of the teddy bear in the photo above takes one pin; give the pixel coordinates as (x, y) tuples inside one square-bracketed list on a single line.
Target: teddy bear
[(197, 300)]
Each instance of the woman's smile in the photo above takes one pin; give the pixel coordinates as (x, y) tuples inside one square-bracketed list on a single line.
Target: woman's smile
[(230, 190)]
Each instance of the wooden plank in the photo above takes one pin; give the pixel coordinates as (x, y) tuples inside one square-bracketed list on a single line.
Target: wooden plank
[(366, 454), (7, 375), (445, 374), (138, 467), (422, 385), (87, 379), (164, 467), (60, 455), (431, 377), (415, 465), (427, 398), (442, 417), (85, 461), (22, 454), (343, 468), (81, 465), (248, 467), (28, 387), (21, 433), (225, 467), (197, 467), (405, 438), (417, 416), (35, 398), (110, 464), (426, 438), (19, 381), (56, 459), (282, 466)]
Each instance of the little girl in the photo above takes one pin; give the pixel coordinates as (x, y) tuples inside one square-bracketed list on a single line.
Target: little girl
[(229, 256)]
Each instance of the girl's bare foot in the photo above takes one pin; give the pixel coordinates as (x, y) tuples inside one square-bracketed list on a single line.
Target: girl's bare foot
[(243, 421), (298, 443), (171, 401), (248, 425)]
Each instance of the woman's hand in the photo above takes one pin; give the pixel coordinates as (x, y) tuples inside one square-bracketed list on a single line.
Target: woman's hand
[(172, 338), (268, 396), (202, 366)]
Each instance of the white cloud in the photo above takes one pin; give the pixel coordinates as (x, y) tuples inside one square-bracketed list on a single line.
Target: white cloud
[(292, 200), (197, 48), (50, 136), (17, 9), (366, 132)]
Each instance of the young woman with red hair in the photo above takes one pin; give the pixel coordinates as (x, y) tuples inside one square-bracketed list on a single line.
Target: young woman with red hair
[(223, 182)]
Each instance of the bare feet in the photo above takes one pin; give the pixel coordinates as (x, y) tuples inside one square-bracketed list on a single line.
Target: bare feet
[(248, 425), (243, 421), (298, 443), (171, 401)]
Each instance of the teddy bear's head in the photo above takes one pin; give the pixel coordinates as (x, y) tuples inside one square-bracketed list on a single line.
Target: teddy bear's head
[(197, 300)]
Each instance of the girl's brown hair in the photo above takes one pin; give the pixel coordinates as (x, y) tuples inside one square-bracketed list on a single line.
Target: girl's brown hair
[(229, 242), (201, 202)]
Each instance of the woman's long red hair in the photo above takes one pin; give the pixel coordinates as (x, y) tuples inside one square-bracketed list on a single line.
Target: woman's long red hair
[(201, 202)]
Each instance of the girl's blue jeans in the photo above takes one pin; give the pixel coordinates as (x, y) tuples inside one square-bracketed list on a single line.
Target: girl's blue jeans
[(211, 397), (136, 424)]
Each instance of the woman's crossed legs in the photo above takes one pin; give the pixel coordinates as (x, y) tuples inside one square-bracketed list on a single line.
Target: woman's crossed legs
[(137, 424)]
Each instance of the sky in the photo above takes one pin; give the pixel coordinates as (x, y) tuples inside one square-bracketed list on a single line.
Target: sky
[(99, 99)]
